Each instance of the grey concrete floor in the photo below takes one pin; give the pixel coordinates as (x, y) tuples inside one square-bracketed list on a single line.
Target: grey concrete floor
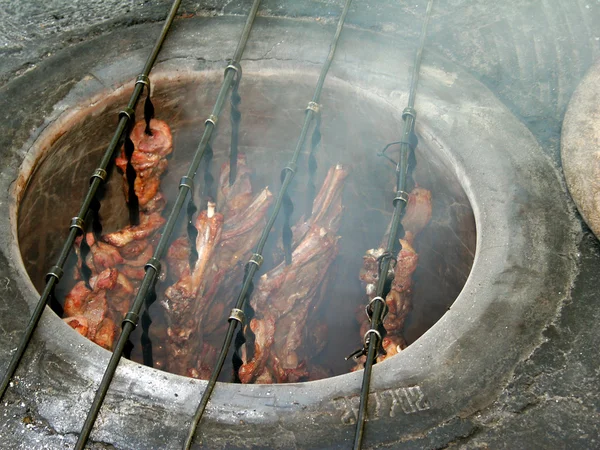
[(531, 54)]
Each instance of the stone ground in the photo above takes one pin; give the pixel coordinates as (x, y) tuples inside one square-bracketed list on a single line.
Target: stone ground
[(532, 54)]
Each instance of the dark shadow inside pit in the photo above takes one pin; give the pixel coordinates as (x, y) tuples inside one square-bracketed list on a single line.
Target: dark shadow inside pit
[(354, 128)]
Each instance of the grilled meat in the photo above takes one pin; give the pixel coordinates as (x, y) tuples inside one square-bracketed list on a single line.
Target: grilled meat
[(196, 307), (149, 224), (398, 300), (264, 332), (87, 309), (149, 162), (285, 296), (227, 269), (184, 303), (79, 324), (117, 260), (418, 213), (234, 199), (327, 206), (178, 257)]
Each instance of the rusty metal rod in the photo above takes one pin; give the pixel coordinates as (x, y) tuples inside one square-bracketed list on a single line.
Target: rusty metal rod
[(256, 259), (77, 223), (372, 337), (153, 266)]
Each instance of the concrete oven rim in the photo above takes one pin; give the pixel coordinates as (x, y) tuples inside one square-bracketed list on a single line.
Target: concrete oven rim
[(415, 390)]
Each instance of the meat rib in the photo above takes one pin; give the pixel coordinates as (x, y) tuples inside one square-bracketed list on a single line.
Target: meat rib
[(243, 221), (184, 303), (149, 224), (285, 295)]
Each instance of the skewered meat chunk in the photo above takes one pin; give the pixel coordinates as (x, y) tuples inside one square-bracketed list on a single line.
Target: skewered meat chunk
[(398, 300), (285, 295), (75, 300), (133, 249), (264, 332), (184, 302), (418, 213), (88, 309), (106, 256), (158, 144), (204, 365), (101, 256), (180, 296), (178, 257), (327, 206), (120, 296), (105, 334), (227, 268), (417, 216), (104, 280), (392, 345), (149, 162), (195, 305), (149, 224), (240, 194)]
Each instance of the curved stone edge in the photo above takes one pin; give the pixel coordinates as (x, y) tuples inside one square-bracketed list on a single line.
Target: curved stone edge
[(580, 148)]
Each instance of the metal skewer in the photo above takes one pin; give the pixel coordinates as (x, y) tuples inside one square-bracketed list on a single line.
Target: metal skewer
[(77, 226), (153, 266), (373, 337)]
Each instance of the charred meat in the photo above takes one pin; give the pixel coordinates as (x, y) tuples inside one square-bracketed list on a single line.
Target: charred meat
[(195, 305), (284, 296), (398, 300)]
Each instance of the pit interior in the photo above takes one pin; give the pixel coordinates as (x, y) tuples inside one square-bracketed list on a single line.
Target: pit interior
[(355, 126)]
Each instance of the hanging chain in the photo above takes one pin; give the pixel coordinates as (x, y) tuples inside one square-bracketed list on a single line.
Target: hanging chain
[(153, 266), (84, 271), (256, 260), (236, 117), (147, 351), (243, 317), (84, 249), (148, 106), (208, 194), (288, 209), (130, 174), (311, 189), (377, 308)]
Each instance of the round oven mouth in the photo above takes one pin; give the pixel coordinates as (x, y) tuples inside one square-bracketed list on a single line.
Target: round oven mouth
[(454, 369), (355, 126)]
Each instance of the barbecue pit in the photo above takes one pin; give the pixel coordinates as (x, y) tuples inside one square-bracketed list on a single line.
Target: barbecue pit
[(268, 129), (445, 165)]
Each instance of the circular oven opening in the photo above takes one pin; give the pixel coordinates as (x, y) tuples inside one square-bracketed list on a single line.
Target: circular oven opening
[(355, 126)]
